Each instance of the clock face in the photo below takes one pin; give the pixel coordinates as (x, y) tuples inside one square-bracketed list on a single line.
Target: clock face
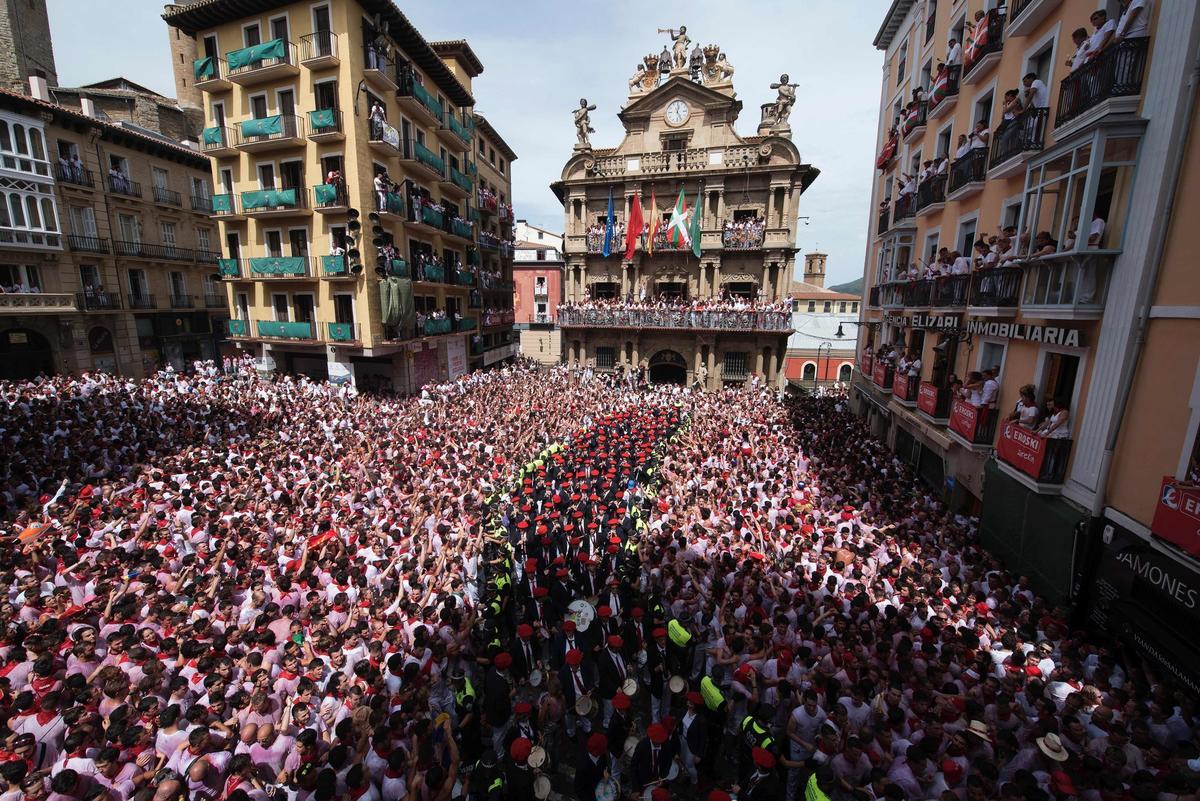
[(677, 112)]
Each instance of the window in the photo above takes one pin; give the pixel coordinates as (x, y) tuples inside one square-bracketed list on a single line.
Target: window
[(279, 28), (927, 75), (210, 47), (902, 67), (243, 306), (991, 356), (20, 277), (167, 229), (812, 306), (606, 358), (983, 110), (298, 241), (273, 240), (89, 276), (233, 244), (854, 306), (605, 291), (131, 228), (844, 373), (734, 366), (83, 221), (828, 306), (810, 372), (28, 214), (279, 304), (343, 309), (930, 20), (326, 94), (306, 308), (1060, 371), (23, 147), (842, 307), (931, 246), (178, 285), (1058, 193), (539, 234), (199, 187), (68, 151), (541, 254), (500, 166), (160, 176), (203, 240), (943, 141), (258, 107), (266, 176), (251, 35), (138, 287), (966, 236)]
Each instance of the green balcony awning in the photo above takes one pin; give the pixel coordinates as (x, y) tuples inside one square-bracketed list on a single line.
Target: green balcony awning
[(334, 265), (435, 327), (429, 158), (431, 216), (272, 328), (222, 203), (341, 332), (326, 194), (398, 268), (237, 59), (238, 328), (427, 100), (269, 199), (278, 265), (435, 272), (264, 126), (229, 267), (466, 278), (205, 69), (395, 203), (322, 118), (213, 136)]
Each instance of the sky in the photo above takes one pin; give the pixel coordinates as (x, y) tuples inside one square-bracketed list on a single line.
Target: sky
[(541, 56)]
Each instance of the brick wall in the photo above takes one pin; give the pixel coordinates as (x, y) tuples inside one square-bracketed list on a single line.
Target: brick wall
[(25, 46)]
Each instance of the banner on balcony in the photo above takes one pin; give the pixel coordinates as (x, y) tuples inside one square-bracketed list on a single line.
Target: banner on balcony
[(395, 203), (1177, 516), (341, 332), (213, 136), (322, 118), (333, 265), (976, 43), (912, 119), (886, 154), (204, 69), (390, 135), (263, 126), (278, 265), (268, 198), (276, 48), (228, 267), (927, 398), (965, 419), (326, 194), (880, 375), (1021, 448), (456, 358), (941, 87), (222, 203)]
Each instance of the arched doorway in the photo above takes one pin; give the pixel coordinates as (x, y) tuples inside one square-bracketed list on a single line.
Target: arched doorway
[(24, 354), (668, 367)]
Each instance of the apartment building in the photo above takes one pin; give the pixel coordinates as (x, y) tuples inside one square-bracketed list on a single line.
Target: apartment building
[(538, 272), (1082, 298), (108, 254), (343, 145)]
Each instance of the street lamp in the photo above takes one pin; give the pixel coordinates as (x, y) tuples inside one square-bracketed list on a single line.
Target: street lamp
[(828, 357)]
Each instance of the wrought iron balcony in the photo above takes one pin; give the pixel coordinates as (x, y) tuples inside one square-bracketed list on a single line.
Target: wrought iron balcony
[(950, 291), (319, 50), (996, 288), (121, 185), (87, 244), (943, 96), (710, 320), (262, 62), (967, 174), (269, 133), (1025, 134), (983, 48), (342, 332), (282, 329), (325, 124), (167, 196), (92, 299), (78, 176), (183, 301), (202, 203), (931, 192), (1115, 73), (142, 301)]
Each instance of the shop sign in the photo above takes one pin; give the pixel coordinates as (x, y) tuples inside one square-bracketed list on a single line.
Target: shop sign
[(1177, 516), (932, 322), (1048, 334)]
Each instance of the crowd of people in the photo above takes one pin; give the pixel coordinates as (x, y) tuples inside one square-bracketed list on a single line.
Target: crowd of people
[(743, 234), (228, 586), (671, 310)]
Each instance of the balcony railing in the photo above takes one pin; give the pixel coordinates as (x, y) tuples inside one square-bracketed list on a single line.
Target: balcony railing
[(950, 291), (743, 235), (971, 168), (904, 388), (427, 157), (885, 213), (342, 332), (1117, 72), (212, 301), (32, 301), (429, 101), (330, 196), (121, 185), (202, 203), (206, 256), (913, 119), (87, 244), (335, 266), (183, 301), (458, 129), (917, 294), (487, 202), (887, 154), (216, 138), (461, 181), (430, 271), (975, 424), (142, 301), (500, 318), (261, 130), (209, 71), (319, 47), (933, 401), (883, 375), (460, 227), (903, 209), (265, 200), (224, 204), (378, 68), (280, 266), (229, 268), (431, 216), (998, 287), (168, 196), (238, 328), (261, 58), (70, 174), (272, 329), (1068, 284), (931, 191), (323, 122), (92, 299), (750, 320), (1040, 458), (987, 39), (1025, 134), (436, 327)]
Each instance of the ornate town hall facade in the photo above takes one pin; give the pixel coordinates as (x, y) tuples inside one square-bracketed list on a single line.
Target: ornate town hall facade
[(679, 135)]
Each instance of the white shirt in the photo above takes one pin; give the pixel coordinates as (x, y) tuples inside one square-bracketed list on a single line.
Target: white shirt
[(1096, 229), (1041, 95), (1127, 29), (990, 390), (955, 54), (1098, 37)]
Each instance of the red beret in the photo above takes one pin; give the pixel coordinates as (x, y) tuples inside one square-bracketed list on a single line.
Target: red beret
[(523, 708), (620, 701), (597, 744), (660, 632), (637, 612), (520, 748), (503, 660), (604, 611), (574, 657), (763, 758), (540, 592), (524, 631), (656, 733), (695, 698), (569, 625), (719, 795), (615, 641), (660, 794)]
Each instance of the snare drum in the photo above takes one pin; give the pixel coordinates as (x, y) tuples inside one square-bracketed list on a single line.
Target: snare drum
[(583, 706), (677, 684), (606, 790), (541, 788), (630, 745), (535, 678), (673, 773), (630, 687), (537, 756)]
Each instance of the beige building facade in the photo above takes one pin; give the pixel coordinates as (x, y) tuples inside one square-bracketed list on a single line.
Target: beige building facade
[(679, 134), (107, 252), (358, 245)]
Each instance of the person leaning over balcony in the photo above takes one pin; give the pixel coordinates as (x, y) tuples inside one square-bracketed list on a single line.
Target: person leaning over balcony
[(1009, 109), (1036, 95), (1080, 37), (980, 136), (1102, 37), (914, 364), (985, 255), (953, 53), (991, 388), (1057, 425), (959, 264), (1026, 412), (964, 147), (1043, 245), (972, 389), (1134, 22)]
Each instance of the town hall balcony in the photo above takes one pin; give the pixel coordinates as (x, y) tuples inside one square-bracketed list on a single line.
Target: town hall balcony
[(750, 320)]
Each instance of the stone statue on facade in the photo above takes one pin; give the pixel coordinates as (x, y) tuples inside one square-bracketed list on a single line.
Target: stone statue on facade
[(583, 125), (716, 68), (680, 48), (783, 102), (637, 83), (724, 69)]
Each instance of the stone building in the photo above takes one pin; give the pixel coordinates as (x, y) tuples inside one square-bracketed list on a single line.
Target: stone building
[(679, 134), (25, 47), (346, 161), (537, 271), (107, 251), (122, 100), (821, 349)]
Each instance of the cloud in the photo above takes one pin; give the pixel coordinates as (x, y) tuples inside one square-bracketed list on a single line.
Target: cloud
[(540, 57)]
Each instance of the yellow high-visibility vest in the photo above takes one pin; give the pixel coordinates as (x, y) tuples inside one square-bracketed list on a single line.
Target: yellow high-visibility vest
[(678, 634), (713, 697)]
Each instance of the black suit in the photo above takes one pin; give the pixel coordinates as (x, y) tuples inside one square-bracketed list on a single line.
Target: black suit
[(496, 700), (520, 665), (515, 731), (559, 647), (611, 676), (618, 733), (655, 659), (696, 735), (643, 764), (586, 674), (588, 774)]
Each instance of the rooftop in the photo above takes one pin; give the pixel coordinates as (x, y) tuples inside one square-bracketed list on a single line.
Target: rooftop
[(458, 48), (494, 137), (891, 23)]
